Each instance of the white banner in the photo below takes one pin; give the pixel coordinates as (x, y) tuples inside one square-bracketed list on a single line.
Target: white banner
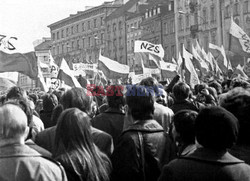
[(144, 46), (168, 66), (137, 78), (237, 32)]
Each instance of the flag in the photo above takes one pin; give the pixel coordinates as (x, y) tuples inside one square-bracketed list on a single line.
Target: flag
[(211, 60), (168, 70), (66, 75), (220, 56), (112, 69), (238, 39), (144, 46), (41, 80), (240, 72), (179, 61), (202, 65), (53, 66), (173, 61), (17, 62), (191, 76)]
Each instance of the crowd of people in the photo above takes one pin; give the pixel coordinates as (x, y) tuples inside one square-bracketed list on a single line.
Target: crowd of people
[(147, 132)]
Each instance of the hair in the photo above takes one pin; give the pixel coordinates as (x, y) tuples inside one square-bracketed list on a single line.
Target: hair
[(152, 83), (55, 114), (141, 103), (116, 99), (78, 98), (16, 93), (49, 102), (33, 97), (181, 91), (24, 105), (217, 87), (78, 147), (237, 101), (216, 128), (13, 122), (184, 122)]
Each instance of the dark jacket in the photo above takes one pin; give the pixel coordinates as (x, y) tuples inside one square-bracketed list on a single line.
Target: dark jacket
[(111, 121), (186, 104), (102, 140), (39, 149), (46, 118), (19, 162), (206, 165), (127, 156)]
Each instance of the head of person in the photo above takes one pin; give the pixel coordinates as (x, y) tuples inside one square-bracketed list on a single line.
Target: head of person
[(140, 102), (78, 143), (13, 125), (217, 87), (184, 126), (115, 98), (216, 128), (33, 97), (181, 91), (226, 85), (77, 98), (16, 93), (151, 83), (162, 97), (79, 132), (49, 102), (237, 101)]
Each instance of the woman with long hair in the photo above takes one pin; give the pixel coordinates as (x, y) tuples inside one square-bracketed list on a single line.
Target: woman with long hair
[(76, 150)]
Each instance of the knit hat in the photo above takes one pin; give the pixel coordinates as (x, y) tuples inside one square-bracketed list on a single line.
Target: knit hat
[(216, 128)]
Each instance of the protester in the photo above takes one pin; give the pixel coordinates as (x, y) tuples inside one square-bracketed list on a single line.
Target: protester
[(216, 130), (144, 147), (49, 103), (181, 93), (78, 154), (162, 114), (36, 123), (112, 120), (76, 98), (18, 161), (183, 131), (237, 101)]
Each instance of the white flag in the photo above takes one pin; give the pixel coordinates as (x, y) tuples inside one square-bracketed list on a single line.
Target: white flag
[(243, 38), (144, 46)]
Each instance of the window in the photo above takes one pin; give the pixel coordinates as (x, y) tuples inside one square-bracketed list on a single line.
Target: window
[(72, 45), (172, 26), (180, 23), (169, 7), (146, 15), (149, 13), (89, 25), (53, 36), (83, 26), (89, 42), (120, 41), (132, 45), (77, 28), (67, 47), (212, 14), (236, 9), (67, 32), (62, 34), (77, 44), (196, 18), (72, 30), (159, 10), (57, 49), (187, 21), (173, 51), (95, 23), (154, 11), (62, 48), (101, 21), (206, 41), (166, 27), (108, 28), (120, 25), (245, 7), (57, 35), (83, 42), (114, 27), (205, 15), (227, 11), (213, 37), (102, 38)]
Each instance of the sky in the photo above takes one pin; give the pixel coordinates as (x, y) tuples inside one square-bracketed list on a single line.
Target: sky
[(28, 19)]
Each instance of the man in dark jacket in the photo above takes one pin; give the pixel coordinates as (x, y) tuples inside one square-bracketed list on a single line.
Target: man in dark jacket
[(181, 92), (216, 130), (17, 160), (143, 147), (111, 121)]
